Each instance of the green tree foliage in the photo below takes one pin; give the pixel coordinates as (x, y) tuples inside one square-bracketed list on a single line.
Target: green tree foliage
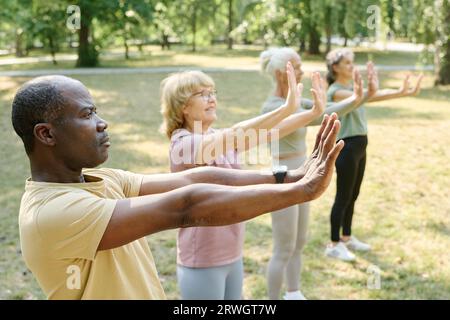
[(199, 17), (164, 21), (48, 24), (125, 19), (307, 24), (130, 20), (15, 19)]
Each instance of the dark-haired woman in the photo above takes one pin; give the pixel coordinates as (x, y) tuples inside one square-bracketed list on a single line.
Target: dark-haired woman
[(351, 162)]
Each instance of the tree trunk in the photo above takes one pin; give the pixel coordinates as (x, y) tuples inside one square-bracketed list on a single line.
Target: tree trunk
[(302, 46), (328, 31), (328, 27), (83, 45), (194, 28), (314, 41), (443, 67), (87, 55), (345, 40), (266, 45), (127, 56), (443, 76), (246, 41), (165, 42), (19, 38), (230, 24), (52, 49)]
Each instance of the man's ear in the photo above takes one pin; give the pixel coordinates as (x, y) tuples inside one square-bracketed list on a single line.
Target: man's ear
[(43, 132)]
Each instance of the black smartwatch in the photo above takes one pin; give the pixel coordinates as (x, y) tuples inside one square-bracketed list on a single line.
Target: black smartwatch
[(279, 173)]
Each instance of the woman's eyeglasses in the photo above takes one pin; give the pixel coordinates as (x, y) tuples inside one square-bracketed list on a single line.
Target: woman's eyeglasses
[(206, 94)]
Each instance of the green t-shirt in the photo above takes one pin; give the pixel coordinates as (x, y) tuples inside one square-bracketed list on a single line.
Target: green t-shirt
[(353, 123), (294, 142)]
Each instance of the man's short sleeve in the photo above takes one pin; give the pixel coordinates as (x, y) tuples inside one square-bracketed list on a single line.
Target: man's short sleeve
[(130, 182), (72, 223)]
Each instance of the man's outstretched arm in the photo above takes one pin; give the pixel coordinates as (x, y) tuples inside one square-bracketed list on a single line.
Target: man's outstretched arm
[(214, 205)]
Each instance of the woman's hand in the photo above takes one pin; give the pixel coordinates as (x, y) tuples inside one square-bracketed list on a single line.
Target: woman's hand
[(372, 80), (374, 94), (405, 89), (295, 90), (358, 87), (315, 173), (318, 92), (319, 166)]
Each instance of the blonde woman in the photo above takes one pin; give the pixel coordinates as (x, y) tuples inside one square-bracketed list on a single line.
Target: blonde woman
[(290, 225), (351, 163), (209, 259)]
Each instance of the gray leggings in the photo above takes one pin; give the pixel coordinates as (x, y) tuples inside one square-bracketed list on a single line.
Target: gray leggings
[(289, 233), (215, 283)]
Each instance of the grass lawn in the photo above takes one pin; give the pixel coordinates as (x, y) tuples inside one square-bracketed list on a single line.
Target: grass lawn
[(216, 56), (403, 209)]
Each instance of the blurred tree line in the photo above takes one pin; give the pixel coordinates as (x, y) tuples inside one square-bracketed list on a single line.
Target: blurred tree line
[(310, 25)]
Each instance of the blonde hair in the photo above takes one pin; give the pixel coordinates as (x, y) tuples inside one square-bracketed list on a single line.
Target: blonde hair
[(175, 91), (274, 59), (334, 57)]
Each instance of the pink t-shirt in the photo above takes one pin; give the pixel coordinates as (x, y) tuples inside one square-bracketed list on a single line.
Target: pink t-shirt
[(202, 247)]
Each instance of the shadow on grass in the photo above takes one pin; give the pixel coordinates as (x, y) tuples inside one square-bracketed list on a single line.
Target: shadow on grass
[(387, 57), (436, 93), (439, 227), (389, 113)]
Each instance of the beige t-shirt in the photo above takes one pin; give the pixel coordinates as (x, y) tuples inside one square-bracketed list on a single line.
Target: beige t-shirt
[(61, 225)]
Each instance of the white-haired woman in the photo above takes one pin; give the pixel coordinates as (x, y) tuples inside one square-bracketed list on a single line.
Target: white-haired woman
[(290, 225), (209, 259), (351, 162)]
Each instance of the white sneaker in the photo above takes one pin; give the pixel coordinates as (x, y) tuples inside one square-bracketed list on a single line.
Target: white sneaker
[(356, 245), (294, 295), (339, 251)]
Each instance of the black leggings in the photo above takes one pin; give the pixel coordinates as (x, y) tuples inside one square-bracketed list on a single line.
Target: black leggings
[(350, 166)]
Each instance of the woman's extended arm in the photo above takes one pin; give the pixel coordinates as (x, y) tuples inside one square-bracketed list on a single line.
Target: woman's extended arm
[(358, 97), (302, 119), (403, 91), (373, 92), (237, 137)]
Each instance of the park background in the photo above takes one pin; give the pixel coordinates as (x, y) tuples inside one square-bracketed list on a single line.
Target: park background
[(121, 50)]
